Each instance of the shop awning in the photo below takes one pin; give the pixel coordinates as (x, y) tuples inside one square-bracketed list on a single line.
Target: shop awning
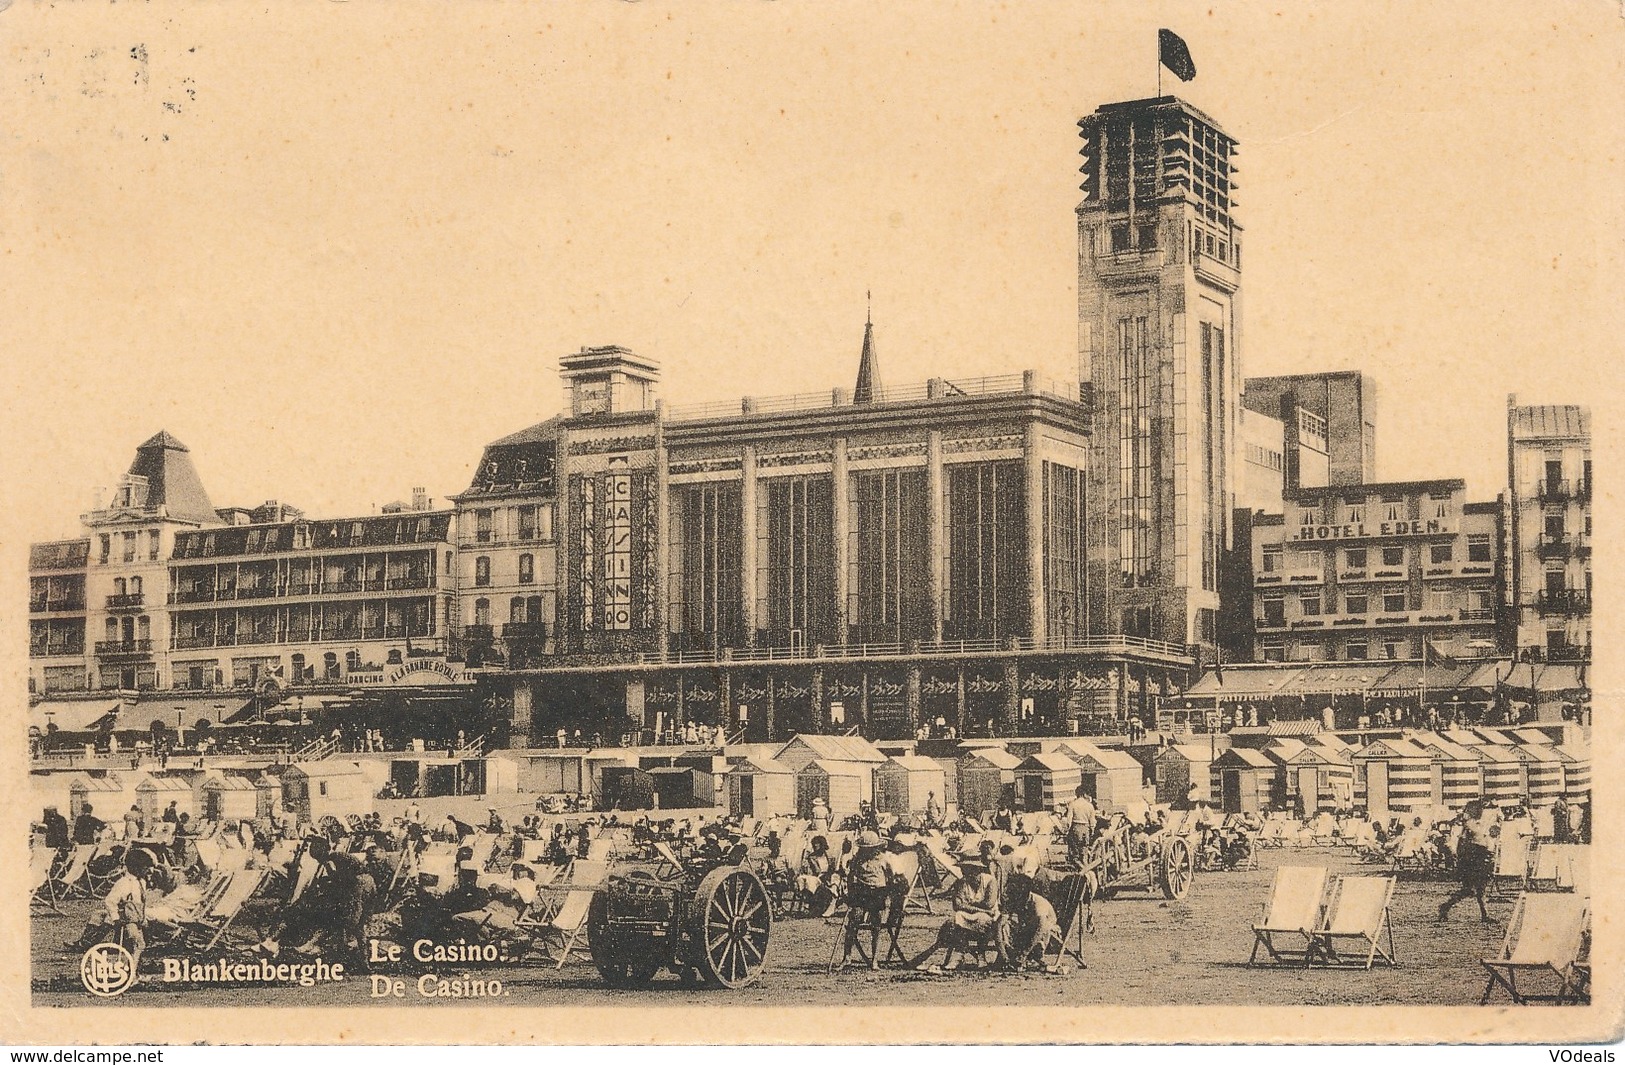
[(188, 710), (1303, 727), (74, 715), (1243, 682), (1351, 679)]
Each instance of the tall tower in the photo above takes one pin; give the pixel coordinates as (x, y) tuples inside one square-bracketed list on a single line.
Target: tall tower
[(1159, 276)]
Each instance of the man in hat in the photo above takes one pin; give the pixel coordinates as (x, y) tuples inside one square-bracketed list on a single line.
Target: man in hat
[(976, 912), (867, 879)]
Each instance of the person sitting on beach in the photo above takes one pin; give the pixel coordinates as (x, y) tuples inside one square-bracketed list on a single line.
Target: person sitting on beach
[(975, 913), (1025, 926)]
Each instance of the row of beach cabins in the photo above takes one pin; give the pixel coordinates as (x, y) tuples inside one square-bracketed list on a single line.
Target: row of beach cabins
[(1386, 774)]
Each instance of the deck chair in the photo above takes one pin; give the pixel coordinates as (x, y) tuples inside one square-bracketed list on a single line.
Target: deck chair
[(227, 905), (1066, 895), (1511, 864), (587, 873), (437, 868), (42, 887), (1543, 940), (1358, 911), (569, 926), (168, 923), (909, 865), (598, 850), (1553, 866), (1273, 834), (1292, 913), (71, 880)]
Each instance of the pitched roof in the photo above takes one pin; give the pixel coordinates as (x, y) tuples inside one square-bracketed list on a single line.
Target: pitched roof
[(1049, 761), (997, 757), (916, 763), (1108, 758), (1191, 752), (837, 748), (540, 433), (172, 480), (1245, 758)]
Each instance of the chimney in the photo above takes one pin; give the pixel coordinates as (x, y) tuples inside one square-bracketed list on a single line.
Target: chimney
[(420, 499)]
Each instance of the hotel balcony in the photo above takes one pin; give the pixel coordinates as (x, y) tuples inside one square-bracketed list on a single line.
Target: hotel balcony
[(479, 633), (1553, 491), (1554, 545), (193, 595), (132, 601), (129, 649), (50, 606), (1563, 601), (526, 630)]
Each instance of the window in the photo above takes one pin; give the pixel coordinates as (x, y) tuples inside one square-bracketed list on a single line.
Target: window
[(1274, 610), (1311, 606), (516, 609), (482, 526), (1358, 651), (1309, 516), (527, 569), (1554, 522), (1393, 556), (1441, 508), (352, 661), (450, 563), (1148, 237), (1393, 601), (482, 611), (1354, 557), (1478, 547), (1554, 474), (1393, 509), (527, 523), (1440, 554), (152, 544), (482, 571), (1306, 651), (129, 547), (1273, 649), (106, 548), (118, 585), (1354, 513), (135, 585), (1391, 649), (1441, 600), (1556, 581), (1120, 238), (1272, 558), (544, 522), (1355, 604)]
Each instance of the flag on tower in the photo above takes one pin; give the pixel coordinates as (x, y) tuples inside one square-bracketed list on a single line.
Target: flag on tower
[(1173, 53)]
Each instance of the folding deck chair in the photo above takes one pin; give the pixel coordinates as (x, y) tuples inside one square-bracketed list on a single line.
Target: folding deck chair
[(1544, 939), (1511, 864), (1293, 912), (42, 887), (73, 878), (569, 924), (227, 904), (1553, 867), (1358, 911), (1066, 895)]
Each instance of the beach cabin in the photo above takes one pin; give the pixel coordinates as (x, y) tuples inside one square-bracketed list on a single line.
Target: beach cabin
[(1392, 776), (1576, 772), (903, 782), (314, 790), (760, 787), (802, 749), (1543, 773), (154, 794), (109, 794), (683, 788), (1317, 778), (987, 780), (1179, 766), (1457, 771), (229, 796), (1503, 773), (1113, 779), (844, 787), (626, 787), (1246, 781), (1046, 780)]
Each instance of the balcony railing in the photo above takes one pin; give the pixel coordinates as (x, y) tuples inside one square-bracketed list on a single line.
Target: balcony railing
[(39, 606), (192, 595), (409, 582), (187, 643), (479, 633), (525, 630), (59, 650), (1554, 491), (1564, 600), (123, 648), (126, 602), (1554, 545)]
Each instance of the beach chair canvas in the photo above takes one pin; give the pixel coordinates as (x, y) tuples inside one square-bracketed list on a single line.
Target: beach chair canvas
[(569, 926), (1543, 942), (1292, 915), (42, 887), (1358, 911)]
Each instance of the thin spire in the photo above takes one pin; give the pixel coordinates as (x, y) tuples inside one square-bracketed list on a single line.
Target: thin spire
[(869, 388)]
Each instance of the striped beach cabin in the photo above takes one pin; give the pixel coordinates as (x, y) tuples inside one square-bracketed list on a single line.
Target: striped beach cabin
[(1391, 776), (1543, 773), (1180, 766), (1318, 778), (1576, 772), (1458, 774), (1246, 781), (760, 787), (987, 778), (1503, 773), (903, 783), (1046, 780), (844, 786)]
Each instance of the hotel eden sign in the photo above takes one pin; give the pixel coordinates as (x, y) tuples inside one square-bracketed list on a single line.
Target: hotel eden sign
[(1361, 531)]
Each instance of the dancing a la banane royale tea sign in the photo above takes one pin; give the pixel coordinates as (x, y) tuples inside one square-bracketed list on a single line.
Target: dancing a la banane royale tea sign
[(755, 647)]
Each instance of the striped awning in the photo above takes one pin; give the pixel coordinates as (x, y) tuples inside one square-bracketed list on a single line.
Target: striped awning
[(74, 715)]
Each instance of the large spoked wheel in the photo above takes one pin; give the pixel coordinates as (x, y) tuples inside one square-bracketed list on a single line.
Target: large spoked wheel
[(621, 960), (1178, 868), (731, 922)]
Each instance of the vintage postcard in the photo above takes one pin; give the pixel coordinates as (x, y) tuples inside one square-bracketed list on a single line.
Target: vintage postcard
[(840, 522)]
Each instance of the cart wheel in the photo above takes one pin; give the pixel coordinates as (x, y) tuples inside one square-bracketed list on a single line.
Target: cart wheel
[(1178, 869), (731, 921)]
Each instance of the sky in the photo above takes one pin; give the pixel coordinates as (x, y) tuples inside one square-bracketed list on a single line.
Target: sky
[(336, 248)]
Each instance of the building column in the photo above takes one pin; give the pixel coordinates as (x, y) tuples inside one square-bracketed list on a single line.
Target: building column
[(863, 700), (820, 722), (725, 701), (839, 520), (1039, 616), (936, 525), (1012, 697), (769, 712), (959, 704), (911, 695), (747, 547)]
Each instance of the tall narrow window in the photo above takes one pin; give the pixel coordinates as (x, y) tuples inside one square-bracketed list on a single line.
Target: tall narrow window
[(890, 600), (988, 595), (800, 572), (527, 569), (706, 556), (1136, 383), (482, 571)]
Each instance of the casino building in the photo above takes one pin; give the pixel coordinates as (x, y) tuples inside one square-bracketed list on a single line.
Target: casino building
[(874, 558)]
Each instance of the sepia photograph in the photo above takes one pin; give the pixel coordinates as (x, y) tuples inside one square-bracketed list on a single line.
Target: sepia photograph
[(786, 522)]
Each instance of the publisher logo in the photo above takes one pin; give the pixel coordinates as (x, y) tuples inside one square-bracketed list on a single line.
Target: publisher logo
[(107, 970)]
